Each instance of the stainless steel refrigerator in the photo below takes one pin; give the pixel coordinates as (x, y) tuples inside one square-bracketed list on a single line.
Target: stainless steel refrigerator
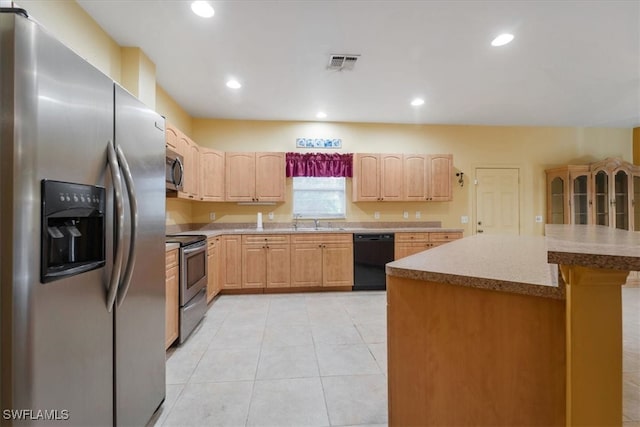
[(82, 204)]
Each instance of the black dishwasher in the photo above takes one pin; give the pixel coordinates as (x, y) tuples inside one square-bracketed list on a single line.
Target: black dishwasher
[(370, 254)]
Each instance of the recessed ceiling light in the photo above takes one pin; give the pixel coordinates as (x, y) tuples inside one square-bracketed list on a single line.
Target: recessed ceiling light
[(417, 102), (202, 8), (321, 115), (234, 84), (502, 39)]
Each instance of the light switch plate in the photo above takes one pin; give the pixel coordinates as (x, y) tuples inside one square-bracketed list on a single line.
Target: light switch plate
[(271, 216), (418, 214), (405, 215), (376, 215), (464, 219), (212, 216), (538, 218)]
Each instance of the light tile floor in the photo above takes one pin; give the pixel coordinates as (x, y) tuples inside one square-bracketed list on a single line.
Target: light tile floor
[(313, 359)]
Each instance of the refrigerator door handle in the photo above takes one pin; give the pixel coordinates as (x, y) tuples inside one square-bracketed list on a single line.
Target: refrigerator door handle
[(117, 262), (133, 209)]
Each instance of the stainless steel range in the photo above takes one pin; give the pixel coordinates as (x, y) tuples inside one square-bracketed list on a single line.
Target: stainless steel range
[(193, 281)]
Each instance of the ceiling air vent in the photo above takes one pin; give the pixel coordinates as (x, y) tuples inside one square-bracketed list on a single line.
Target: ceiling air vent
[(342, 62)]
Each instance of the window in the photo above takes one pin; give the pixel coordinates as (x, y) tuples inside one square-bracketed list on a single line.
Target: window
[(319, 197)]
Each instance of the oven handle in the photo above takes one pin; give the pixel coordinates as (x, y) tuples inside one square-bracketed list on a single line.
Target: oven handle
[(194, 248), (133, 210), (117, 262)]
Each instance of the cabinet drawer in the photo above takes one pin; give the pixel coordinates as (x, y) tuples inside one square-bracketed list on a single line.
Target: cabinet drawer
[(213, 241), (322, 238), (444, 237), (171, 258), (412, 237), (248, 239)]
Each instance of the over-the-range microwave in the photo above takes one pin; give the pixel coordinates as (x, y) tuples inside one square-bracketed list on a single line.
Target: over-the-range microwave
[(174, 171)]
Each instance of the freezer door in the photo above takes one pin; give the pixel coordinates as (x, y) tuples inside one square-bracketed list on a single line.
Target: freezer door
[(57, 116), (139, 332)]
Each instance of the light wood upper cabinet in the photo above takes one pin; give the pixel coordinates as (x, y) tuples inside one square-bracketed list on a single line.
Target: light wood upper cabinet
[(395, 177), (171, 298), (191, 154), (171, 137), (254, 177), (377, 177), (230, 261), (440, 170), (270, 175), (211, 175)]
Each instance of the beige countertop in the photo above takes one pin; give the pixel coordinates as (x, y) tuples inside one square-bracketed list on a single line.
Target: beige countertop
[(522, 264), (171, 246), (347, 230)]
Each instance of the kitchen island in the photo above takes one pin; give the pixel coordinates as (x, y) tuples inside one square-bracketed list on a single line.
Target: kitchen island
[(510, 330)]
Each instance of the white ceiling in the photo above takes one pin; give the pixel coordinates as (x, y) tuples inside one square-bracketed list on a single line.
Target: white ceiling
[(572, 63)]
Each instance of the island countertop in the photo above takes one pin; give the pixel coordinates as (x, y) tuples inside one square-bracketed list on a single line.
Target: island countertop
[(522, 264)]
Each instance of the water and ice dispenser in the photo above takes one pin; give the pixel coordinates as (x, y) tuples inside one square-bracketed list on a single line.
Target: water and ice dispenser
[(73, 229)]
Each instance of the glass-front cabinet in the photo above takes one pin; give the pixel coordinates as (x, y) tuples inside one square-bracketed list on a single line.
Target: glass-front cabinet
[(602, 193)]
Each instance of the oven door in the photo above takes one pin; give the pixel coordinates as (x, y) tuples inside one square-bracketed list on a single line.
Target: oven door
[(193, 274)]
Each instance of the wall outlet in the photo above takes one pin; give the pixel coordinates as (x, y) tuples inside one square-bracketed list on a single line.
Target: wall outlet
[(376, 215), (538, 218), (464, 219), (212, 216), (418, 215), (405, 215), (271, 216)]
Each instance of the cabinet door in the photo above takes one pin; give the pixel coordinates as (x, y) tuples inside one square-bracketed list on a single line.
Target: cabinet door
[(191, 153), (366, 177), (581, 199), (230, 262), (306, 264), (240, 177), (635, 203), (557, 196), (254, 262), (172, 300), (337, 264), (391, 178), (213, 273), (440, 168), (414, 170), (211, 175), (269, 177), (278, 266), (621, 199), (171, 137)]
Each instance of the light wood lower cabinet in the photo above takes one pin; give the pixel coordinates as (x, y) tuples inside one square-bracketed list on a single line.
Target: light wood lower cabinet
[(411, 243), (231, 261), (172, 304), (266, 261), (213, 267), (322, 260)]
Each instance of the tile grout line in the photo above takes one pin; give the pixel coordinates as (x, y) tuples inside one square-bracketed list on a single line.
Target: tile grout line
[(255, 375)]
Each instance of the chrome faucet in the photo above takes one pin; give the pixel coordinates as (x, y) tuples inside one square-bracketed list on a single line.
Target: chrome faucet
[(316, 222), (295, 221)]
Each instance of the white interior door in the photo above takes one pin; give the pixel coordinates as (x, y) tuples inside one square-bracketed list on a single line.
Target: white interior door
[(497, 201)]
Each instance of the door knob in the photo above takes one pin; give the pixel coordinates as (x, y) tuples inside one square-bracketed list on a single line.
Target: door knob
[(479, 222)]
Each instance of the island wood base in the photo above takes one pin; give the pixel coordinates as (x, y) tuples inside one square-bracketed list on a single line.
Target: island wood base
[(466, 356)]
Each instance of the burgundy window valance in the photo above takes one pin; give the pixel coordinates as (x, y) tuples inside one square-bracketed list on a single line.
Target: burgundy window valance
[(319, 164)]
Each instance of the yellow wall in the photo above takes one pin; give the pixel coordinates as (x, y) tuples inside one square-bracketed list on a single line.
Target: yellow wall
[(532, 149), (636, 146), (69, 23), (173, 112)]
